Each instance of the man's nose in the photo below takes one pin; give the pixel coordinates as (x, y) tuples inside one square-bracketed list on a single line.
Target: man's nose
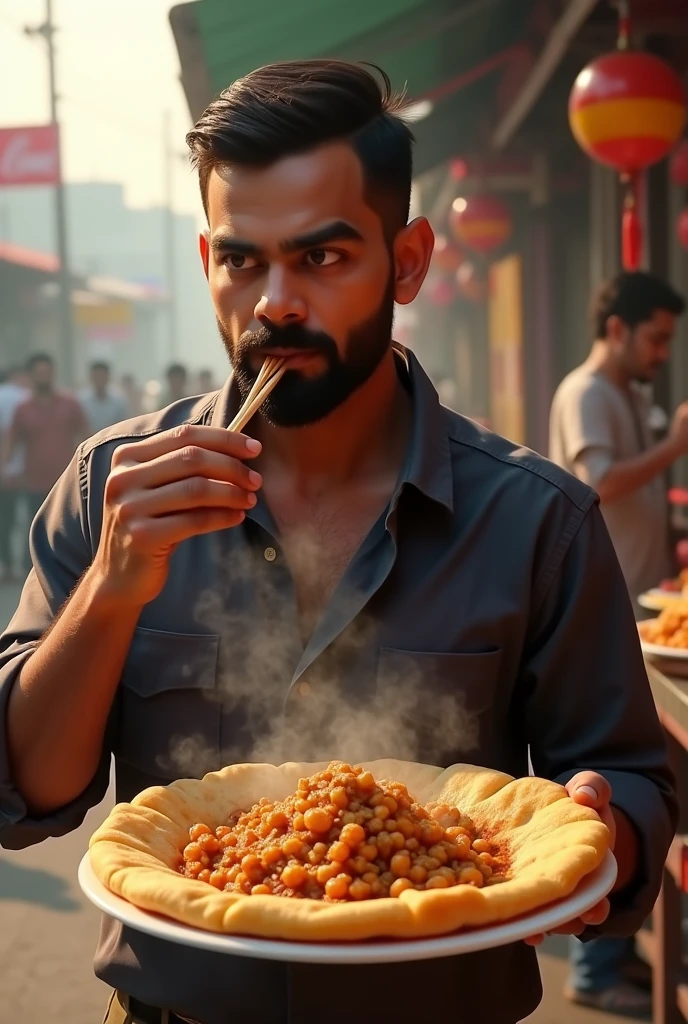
[(280, 302)]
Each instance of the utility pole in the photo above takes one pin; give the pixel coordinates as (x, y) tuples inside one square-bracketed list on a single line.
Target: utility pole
[(66, 326), (169, 241)]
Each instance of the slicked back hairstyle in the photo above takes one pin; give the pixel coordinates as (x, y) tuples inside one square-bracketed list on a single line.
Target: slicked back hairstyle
[(284, 109)]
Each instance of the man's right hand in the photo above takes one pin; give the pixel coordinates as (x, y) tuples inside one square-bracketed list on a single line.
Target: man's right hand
[(162, 490), (679, 428)]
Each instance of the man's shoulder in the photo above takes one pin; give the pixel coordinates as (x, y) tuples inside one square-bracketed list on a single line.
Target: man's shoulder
[(580, 384), (500, 457), (195, 409)]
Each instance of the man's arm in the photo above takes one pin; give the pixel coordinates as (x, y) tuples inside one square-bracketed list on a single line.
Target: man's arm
[(589, 707), (615, 479)]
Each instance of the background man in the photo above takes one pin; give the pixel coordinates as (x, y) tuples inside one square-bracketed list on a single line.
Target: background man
[(177, 387), (260, 594), (100, 403), (13, 391), (601, 431)]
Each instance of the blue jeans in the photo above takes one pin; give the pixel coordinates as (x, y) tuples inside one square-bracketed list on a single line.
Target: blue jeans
[(596, 965)]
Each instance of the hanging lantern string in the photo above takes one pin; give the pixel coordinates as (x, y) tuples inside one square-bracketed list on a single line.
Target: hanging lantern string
[(624, 39)]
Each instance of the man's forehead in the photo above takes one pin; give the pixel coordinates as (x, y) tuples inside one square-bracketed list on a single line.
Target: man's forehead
[(293, 193)]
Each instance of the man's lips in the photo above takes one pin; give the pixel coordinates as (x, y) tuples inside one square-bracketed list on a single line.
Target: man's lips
[(294, 358)]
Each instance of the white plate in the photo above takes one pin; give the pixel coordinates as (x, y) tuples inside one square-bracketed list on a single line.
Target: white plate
[(656, 600), (680, 653), (591, 890)]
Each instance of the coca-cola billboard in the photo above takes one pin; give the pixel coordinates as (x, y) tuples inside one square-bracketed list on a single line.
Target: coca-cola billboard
[(29, 156)]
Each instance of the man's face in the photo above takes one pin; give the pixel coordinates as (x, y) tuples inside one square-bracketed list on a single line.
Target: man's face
[(299, 267), (646, 347), (100, 378), (42, 377)]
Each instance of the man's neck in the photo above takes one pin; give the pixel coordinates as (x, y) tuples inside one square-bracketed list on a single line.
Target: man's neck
[(363, 438), (600, 361)]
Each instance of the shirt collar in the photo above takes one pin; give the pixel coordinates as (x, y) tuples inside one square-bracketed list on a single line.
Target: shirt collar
[(428, 465)]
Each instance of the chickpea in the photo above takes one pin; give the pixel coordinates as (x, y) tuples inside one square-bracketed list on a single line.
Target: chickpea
[(412, 844), (261, 890), (382, 812), (192, 852), (303, 804), (369, 851), (339, 852), (398, 841), (353, 835), (432, 834), (325, 872), (481, 846), (439, 853), (471, 876), (437, 882), (376, 799), (339, 798), (359, 890), (348, 818), (366, 781), (294, 876), (370, 877), (391, 825), (338, 888), (400, 865), (401, 885), (418, 874), (375, 826), (278, 820), (209, 844), (291, 846), (218, 878), (233, 873), (196, 831), (486, 858), (299, 822), (228, 841), (359, 865), (204, 875), (271, 854), (318, 853)]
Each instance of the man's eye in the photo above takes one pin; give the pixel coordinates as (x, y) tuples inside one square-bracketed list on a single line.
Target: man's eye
[(237, 261), (322, 257)]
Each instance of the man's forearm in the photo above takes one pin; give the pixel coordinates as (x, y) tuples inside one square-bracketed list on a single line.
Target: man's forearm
[(59, 706), (629, 475)]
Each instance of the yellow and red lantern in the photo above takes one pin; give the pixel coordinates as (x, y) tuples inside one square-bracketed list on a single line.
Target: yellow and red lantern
[(627, 109), (481, 222)]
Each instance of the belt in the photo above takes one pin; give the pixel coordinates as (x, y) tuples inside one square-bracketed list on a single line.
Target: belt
[(141, 1013)]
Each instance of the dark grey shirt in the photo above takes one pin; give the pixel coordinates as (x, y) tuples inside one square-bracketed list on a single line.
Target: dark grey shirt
[(484, 616)]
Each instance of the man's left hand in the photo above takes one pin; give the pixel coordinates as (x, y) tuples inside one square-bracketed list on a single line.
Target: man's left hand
[(590, 790)]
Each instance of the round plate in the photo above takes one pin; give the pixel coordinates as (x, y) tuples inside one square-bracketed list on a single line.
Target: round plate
[(591, 890), (680, 653), (656, 600)]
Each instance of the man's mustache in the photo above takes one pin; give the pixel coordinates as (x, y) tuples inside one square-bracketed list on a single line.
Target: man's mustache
[(293, 336)]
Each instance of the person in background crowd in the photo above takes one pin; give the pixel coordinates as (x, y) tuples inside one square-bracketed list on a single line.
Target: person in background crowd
[(133, 395), (177, 384), (601, 431), (100, 403), (13, 391), (206, 382), (47, 426)]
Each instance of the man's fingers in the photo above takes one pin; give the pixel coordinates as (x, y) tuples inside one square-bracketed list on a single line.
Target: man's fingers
[(535, 940), (173, 529), (590, 789), (597, 914), (225, 442), (181, 464), (196, 492)]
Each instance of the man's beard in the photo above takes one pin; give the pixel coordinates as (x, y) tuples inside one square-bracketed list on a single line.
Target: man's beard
[(297, 400)]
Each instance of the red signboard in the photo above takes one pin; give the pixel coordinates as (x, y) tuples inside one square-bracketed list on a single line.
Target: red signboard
[(29, 156)]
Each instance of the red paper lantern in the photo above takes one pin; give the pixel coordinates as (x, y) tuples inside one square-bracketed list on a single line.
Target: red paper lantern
[(682, 227), (626, 110), (446, 256), (481, 222), (679, 165), (472, 284)]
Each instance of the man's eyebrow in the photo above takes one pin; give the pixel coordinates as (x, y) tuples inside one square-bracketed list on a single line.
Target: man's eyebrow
[(223, 244), (338, 231)]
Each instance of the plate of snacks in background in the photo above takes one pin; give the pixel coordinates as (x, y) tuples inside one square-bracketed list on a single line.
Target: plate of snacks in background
[(666, 594), (667, 635), (385, 861)]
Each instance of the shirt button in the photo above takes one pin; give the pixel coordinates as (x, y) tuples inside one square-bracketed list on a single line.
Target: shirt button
[(303, 689), (270, 554)]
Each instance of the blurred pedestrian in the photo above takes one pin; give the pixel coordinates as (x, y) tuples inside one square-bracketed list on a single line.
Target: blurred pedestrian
[(13, 390), (132, 393), (206, 382), (177, 385), (602, 431), (101, 404), (46, 426)]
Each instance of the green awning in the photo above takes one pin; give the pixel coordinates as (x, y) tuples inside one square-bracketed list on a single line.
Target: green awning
[(424, 45)]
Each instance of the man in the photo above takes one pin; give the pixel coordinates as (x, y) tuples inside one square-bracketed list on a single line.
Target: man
[(364, 545), (132, 394), (101, 405), (601, 431), (46, 427), (13, 391), (177, 384)]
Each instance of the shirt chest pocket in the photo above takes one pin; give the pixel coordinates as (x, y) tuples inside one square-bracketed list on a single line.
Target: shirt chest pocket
[(437, 708), (170, 711)]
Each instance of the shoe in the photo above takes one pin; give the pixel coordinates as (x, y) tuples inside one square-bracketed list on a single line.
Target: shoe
[(623, 999)]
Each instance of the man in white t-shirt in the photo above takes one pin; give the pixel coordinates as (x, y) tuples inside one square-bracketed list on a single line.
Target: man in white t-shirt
[(13, 391), (601, 430)]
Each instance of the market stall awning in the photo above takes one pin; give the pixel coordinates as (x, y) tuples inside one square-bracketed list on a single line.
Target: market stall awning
[(446, 51)]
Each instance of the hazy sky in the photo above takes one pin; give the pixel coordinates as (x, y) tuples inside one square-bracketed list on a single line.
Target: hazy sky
[(118, 71)]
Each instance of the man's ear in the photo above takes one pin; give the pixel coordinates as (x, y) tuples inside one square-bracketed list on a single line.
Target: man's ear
[(204, 249), (413, 248)]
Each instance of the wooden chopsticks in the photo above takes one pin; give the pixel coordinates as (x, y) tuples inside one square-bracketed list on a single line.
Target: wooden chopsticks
[(271, 372)]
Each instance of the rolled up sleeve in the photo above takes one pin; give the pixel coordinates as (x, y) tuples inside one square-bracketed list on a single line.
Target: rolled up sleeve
[(61, 552), (589, 705)]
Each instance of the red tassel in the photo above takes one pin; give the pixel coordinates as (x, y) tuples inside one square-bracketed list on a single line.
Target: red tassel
[(631, 239)]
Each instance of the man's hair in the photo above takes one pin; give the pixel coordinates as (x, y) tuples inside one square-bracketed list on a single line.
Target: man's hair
[(289, 108), (175, 370), (100, 364), (39, 357), (633, 297)]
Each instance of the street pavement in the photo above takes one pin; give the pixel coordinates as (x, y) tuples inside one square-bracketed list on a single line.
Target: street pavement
[(48, 932)]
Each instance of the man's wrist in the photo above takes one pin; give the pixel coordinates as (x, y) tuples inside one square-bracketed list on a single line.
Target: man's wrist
[(105, 597), (626, 849)]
